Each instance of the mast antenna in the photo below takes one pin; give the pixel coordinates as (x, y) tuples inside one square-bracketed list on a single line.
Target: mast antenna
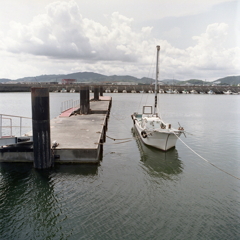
[(156, 81)]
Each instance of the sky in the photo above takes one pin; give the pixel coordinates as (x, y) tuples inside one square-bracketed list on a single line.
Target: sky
[(199, 39)]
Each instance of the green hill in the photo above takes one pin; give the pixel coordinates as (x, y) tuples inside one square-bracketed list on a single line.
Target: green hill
[(230, 80), (91, 77)]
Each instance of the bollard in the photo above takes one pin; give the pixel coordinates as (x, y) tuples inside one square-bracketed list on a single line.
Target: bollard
[(84, 100), (96, 93), (101, 90), (41, 128)]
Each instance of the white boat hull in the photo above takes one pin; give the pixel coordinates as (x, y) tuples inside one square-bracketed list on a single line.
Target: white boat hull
[(163, 140)]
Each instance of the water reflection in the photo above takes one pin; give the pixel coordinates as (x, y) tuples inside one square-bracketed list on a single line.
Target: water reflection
[(31, 200), (158, 163), (81, 169)]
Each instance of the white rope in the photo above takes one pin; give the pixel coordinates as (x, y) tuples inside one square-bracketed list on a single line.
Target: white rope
[(205, 158)]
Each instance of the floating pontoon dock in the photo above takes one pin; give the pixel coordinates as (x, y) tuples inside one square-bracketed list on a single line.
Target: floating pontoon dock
[(75, 138)]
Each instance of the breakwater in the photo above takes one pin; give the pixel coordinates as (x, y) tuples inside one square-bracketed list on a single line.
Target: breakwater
[(114, 88)]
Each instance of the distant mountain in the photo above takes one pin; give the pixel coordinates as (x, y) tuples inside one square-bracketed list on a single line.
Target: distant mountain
[(91, 77), (4, 80), (230, 80), (83, 77), (171, 81), (193, 82)]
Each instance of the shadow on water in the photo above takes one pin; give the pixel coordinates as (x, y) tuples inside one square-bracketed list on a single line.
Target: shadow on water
[(29, 200), (156, 162)]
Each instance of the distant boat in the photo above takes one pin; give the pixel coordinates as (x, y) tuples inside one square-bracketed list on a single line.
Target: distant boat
[(124, 91), (153, 131), (176, 91), (63, 90), (72, 90), (202, 93), (115, 91), (228, 92), (185, 91), (170, 91), (193, 92), (211, 92), (161, 91)]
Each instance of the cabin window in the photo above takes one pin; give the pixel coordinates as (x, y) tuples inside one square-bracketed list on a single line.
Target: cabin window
[(147, 110)]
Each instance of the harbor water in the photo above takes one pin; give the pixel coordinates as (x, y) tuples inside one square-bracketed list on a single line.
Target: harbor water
[(136, 192)]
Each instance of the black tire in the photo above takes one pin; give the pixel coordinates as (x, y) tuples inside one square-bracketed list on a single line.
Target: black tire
[(144, 134)]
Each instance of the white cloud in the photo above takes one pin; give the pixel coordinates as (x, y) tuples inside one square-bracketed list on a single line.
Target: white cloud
[(62, 41), (63, 33)]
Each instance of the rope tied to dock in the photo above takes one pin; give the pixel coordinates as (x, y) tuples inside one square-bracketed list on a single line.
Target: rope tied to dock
[(119, 139), (205, 158)]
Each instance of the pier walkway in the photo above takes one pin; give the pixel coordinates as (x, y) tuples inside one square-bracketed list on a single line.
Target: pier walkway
[(75, 138)]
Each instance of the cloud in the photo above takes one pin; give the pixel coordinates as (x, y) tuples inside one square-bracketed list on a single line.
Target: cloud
[(63, 33), (62, 41)]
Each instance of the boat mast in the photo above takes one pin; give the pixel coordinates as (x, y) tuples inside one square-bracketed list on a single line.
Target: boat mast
[(156, 81)]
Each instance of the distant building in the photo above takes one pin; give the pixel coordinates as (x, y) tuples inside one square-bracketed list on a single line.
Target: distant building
[(68, 81)]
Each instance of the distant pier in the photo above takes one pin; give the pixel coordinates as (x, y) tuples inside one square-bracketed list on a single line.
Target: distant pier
[(112, 88)]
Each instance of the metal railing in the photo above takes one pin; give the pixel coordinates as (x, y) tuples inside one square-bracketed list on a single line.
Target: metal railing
[(11, 125), (69, 104)]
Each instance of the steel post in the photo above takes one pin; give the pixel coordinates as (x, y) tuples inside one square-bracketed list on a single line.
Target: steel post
[(41, 128), (84, 100)]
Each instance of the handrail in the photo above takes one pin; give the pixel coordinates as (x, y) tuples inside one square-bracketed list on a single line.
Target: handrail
[(69, 104), (11, 126)]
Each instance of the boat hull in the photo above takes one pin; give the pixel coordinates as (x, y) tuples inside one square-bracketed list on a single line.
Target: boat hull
[(163, 140)]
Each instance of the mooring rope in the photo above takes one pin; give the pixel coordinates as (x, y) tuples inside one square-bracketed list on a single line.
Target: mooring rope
[(205, 158), (118, 139)]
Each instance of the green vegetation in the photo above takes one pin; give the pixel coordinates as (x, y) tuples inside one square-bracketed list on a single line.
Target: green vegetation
[(90, 77)]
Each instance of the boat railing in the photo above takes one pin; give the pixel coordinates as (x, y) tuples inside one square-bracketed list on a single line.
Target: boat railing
[(11, 125), (68, 104)]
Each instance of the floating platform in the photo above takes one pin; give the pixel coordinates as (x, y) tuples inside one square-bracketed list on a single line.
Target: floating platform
[(75, 138)]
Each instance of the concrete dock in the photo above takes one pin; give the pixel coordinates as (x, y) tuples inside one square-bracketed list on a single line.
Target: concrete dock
[(75, 138)]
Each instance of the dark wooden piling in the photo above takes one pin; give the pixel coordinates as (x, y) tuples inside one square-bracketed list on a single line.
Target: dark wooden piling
[(96, 93), (101, 90), (84, 100), (41, 128)]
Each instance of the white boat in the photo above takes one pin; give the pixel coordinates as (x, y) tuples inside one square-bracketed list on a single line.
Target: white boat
[(176, 91), (63, 90), (211, 92), (72, 90), (161, 91), (228, 92), (152, 130), (185, 92), (170, 91), (193, 92)]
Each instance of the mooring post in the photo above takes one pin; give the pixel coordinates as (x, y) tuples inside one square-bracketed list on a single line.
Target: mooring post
[(101, 90), (84, 100), (41, 128), (96, 93)]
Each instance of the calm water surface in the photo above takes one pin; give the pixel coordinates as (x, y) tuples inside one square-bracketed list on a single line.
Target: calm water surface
[(136, 192)]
